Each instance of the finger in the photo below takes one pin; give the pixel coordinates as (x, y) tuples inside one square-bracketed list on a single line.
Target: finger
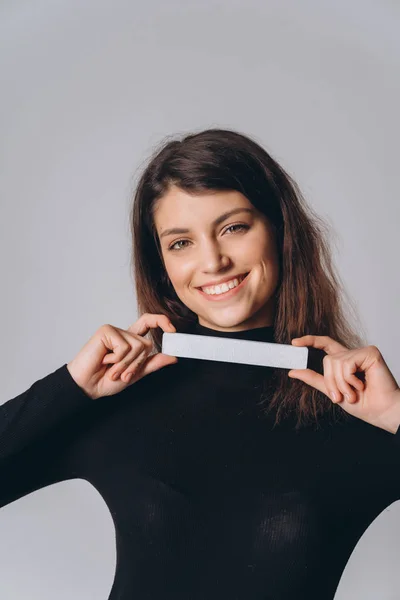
[(135, 369), (131, 361), (147, 366), (322, 342), (115, 343), (155, 362), (310, 377), (350, 381), (342, 384), (150, 321), (109, 358), (331, 386), (350, 369), (139, 349)]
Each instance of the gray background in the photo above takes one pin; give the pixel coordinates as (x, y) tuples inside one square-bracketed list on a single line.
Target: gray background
[(88, 89)]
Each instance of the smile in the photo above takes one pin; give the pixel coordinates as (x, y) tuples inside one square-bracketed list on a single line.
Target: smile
[(219, 294)]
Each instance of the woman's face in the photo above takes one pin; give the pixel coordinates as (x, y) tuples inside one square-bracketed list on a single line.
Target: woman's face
[(210, 248)]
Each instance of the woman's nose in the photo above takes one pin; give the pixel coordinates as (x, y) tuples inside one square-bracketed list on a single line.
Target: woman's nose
[(212, 258)]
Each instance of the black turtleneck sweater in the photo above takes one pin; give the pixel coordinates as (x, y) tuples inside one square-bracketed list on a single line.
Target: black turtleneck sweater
[(209, 501)]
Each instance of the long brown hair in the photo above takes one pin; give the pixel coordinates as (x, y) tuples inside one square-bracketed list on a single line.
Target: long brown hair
[(309, 295)]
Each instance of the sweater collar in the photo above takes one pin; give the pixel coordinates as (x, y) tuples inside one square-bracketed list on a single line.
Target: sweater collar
[(261, 334)]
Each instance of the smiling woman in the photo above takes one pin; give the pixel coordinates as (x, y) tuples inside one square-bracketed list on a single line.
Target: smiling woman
[(213, 206), (213, 494)]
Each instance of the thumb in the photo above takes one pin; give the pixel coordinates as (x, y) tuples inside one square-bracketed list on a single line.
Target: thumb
[(309, 377), (295, 374), (157, 361)]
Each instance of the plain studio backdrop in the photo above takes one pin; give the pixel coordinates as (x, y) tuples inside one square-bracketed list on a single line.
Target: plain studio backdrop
[(88, 89)]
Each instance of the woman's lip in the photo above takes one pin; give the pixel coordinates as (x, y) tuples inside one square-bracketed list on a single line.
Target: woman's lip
[(223, 281), (226, 295)]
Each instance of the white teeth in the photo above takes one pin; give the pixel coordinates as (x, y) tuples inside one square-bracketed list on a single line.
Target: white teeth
[(224, 287)]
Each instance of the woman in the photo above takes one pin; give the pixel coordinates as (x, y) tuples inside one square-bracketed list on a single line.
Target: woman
[(223, 480)]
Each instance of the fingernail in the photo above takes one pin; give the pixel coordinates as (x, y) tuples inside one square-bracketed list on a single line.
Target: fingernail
[(334, 397)]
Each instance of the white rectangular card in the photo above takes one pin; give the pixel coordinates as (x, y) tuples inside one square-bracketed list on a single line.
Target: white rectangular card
[(247, 352)]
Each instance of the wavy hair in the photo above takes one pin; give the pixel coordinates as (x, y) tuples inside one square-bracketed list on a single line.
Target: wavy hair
[(309, 298)]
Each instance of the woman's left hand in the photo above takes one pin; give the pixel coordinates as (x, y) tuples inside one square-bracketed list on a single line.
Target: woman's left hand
[(377, 401)]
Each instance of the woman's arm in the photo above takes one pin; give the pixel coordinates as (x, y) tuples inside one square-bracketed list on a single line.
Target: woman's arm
[(36, 411), (32, 436)]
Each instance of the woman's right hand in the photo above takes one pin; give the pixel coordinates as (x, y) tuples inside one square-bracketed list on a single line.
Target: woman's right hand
[(115, 358)]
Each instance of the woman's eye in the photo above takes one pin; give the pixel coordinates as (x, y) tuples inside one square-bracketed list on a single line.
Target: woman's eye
[(178, 242), (240, 225)]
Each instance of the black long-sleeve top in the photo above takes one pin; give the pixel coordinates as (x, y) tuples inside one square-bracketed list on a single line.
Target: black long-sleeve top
[(209, 501)]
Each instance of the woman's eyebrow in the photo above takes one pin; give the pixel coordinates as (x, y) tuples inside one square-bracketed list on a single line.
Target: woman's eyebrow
[(217, 221)]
